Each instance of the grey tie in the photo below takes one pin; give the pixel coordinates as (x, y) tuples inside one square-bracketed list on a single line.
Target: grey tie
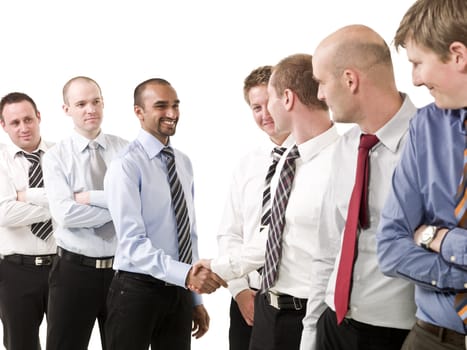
[(97, 166), (98, 169)]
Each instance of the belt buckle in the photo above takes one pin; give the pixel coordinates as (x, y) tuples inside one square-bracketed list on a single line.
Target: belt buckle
[(104, 263), (42, 261), (273, 300)]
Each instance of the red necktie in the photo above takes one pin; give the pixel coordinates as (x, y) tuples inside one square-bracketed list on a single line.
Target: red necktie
[(357, 213)]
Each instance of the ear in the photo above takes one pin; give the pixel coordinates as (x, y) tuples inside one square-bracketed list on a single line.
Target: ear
[(459, 55), (288, 99), (65, 108), (2, 123), (38, 115), (139, 113), (351, 80)]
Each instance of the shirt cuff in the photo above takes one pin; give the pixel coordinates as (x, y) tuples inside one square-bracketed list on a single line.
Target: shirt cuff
[(453, 247), (238, 285), (308, 341), (98, 199), (224, 268)]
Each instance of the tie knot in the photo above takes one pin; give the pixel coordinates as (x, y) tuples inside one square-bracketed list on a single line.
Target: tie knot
[(367, 141), (33, 158), (168, 152), (294, 153), (93, 145), (277, 153)]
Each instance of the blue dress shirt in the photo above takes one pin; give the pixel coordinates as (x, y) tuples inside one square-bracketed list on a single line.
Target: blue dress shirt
[(140, 204), (423, 192)]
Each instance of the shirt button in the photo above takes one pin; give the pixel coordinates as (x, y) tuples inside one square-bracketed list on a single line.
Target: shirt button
[(433, 283), (465, 285), (453, 258), (354, 308)]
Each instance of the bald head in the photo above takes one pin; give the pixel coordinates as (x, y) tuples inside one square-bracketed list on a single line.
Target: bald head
[(355, 47)]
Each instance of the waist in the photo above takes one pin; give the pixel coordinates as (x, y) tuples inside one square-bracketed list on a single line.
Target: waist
[(446, 335), (97, 263), (35, 260), (284, 301), (143, 277)]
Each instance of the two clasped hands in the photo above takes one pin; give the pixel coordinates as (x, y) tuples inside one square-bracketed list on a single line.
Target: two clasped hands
[(202, 280)]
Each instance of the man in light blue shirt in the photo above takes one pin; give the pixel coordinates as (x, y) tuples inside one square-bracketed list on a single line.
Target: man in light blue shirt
[(148, 302), (81, 275), (420, 238)]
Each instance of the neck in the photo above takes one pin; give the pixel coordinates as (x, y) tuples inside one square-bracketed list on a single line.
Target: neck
[(311, 125)]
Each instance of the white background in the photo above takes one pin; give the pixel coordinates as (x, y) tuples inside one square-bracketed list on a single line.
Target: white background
[(205, 48)]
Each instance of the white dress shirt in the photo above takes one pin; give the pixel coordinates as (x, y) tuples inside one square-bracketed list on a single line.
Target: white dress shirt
[(299, 245), (16, 217), (375, 299), (66, 170), (243, 209)]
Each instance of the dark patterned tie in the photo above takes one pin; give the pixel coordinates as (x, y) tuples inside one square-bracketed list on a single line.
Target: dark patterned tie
[(276, 226), (180, 208), (460, 211), (276, 154), (357, 214), (42, 230)]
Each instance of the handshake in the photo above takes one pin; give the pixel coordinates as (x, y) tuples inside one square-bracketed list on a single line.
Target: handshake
[(202, 280)]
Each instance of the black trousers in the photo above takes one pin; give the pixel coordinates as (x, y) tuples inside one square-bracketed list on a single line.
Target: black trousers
[(239, 331), (275, 329), (77, 297), (354, 335), (23, 303), (144, 311)]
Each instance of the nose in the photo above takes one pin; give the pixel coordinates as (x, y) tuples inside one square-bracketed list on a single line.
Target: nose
[(416, 80), (320, 94)]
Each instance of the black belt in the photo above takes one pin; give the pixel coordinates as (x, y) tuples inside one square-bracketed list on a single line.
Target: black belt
[(446, 335), (285, 302), (36, 260), (143, 277), (97, 263)]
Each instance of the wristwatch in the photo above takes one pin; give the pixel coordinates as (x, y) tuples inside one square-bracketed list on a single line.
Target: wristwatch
[(428, 236)]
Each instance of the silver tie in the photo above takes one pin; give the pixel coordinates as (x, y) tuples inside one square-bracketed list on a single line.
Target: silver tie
[(98, 169), (97, 165)]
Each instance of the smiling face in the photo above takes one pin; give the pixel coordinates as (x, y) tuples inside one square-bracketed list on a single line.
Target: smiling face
[(85, 105), (21, 123), (443, 79), (258, 97), (159, 111)]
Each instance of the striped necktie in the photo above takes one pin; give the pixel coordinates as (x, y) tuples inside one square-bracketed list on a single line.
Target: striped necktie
[(276, 154), (460, 211), (279, 205), (180, 208), (42, 230)]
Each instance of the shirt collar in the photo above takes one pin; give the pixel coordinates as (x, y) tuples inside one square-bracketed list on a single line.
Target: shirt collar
[(312, 147), (82, 142), (13, 150), (390, 135), (151, 145)]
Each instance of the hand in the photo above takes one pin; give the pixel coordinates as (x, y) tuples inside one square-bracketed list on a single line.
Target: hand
[(246, 303), (21, 196), (201, 263), (204, 280), (200, 321), (82, 198)]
